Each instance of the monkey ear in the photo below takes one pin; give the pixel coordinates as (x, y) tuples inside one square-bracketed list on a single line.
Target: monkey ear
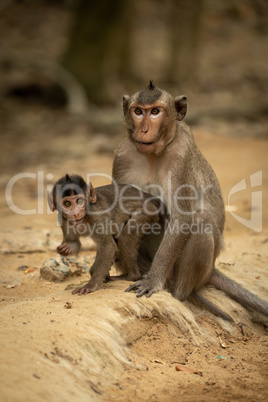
[(92, 194), (50, 201), (181, 106), (125, 103)]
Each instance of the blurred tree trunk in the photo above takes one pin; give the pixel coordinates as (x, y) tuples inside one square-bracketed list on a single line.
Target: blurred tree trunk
[(184, 38), (98, 50), (99, 53)]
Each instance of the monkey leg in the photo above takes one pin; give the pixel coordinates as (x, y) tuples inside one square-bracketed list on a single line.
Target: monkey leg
[(128, 246), (148, 247), (127, 261), (100, 269), (194, 265), (193, 269)]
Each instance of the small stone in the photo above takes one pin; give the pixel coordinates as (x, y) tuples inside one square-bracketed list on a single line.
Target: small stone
[(50, 274), (59, 268)]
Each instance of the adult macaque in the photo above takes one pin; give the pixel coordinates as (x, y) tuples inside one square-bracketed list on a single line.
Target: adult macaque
[(159, 156), (115, 217)]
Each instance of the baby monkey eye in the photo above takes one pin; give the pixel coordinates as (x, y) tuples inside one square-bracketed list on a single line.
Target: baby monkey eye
[(138, 111), (80, 201), (67, 204), (154, 111)]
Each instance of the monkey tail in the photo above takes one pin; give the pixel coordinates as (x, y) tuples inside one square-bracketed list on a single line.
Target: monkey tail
[(238, 293), (200, 300)]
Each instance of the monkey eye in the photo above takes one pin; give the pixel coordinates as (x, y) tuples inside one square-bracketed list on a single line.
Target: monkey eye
[(67, 204), (80, 201), (138, 111), (155, 110)]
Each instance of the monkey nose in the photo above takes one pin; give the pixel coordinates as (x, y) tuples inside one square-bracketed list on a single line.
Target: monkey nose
[(144, 130)]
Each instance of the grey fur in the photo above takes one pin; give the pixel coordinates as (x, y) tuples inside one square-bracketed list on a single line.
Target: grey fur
[(122, 229), (149, 95), (187, 258)]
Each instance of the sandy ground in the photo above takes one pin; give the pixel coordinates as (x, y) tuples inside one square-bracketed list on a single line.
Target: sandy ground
[(110, 345)]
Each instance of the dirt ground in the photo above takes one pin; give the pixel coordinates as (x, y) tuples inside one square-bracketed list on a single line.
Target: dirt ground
[(109, 345), (104, 347)]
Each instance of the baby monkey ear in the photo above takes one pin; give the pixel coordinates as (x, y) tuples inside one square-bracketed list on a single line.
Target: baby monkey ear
[(92, 194), (50, 201)]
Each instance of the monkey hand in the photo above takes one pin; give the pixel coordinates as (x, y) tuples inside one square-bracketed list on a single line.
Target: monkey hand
[(87, 288), (64, 249), (146, 286)]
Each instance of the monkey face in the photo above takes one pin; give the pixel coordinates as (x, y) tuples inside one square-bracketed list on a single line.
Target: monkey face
[(74, 207), (150, 123), (151, 116)]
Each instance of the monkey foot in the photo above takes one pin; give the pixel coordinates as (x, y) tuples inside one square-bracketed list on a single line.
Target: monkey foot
[(143, 287), (84, 290)]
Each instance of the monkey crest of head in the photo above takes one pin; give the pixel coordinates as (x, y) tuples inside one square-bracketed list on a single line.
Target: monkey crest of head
[(151, 115), (71, 197)]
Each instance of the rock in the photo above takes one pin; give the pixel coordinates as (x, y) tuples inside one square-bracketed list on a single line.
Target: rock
[(59, 268), (52, 275)]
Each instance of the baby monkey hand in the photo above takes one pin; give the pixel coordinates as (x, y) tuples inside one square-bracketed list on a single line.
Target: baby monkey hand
[(64, 249)]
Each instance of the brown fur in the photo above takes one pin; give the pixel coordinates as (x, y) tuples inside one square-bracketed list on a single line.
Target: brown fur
[(113, 217), (159, 155)]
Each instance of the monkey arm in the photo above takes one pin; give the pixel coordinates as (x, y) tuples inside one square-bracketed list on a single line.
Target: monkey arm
[(100, 268), (64, 249), (69, 245)]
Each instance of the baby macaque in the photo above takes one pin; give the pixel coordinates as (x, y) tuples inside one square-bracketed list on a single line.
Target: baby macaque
[(116, 217)]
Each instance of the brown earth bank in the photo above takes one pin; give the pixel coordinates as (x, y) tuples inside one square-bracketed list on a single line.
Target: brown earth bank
[(109, 345)]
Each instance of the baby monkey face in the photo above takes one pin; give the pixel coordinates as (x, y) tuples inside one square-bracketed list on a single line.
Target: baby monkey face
[(74, 207)]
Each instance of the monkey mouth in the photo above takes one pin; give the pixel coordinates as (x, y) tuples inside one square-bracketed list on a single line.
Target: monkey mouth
[(76, 221), (79, 220), (144, 143)]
